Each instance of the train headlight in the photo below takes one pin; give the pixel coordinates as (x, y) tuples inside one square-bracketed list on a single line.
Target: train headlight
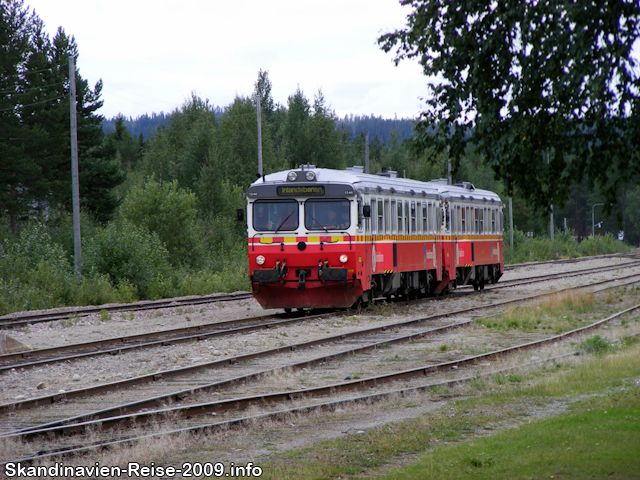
[(291, 176), (310, 176), (260, 260), (343, 258)]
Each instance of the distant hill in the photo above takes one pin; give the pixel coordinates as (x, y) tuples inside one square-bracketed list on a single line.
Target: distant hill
[(382, 127), (355, 124), (145, 124)]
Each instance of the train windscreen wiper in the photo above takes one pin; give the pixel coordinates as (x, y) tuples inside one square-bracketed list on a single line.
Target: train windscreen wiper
[(321, 226), (282, 222)]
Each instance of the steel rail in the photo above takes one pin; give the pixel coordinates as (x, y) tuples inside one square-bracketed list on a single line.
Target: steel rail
[(512, 266), (277, 415), (159, 401), (162, 342), (12, 321), (126, 343), (9, 321), (552, 276), (132, 339), (176, 396), (278, 397)]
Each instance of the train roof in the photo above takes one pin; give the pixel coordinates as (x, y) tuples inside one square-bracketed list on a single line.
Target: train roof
[(384, 182)]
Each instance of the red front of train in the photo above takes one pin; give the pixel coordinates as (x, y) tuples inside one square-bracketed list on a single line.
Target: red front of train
[(302, 241)]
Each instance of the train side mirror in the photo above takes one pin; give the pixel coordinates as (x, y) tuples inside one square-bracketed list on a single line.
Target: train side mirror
[(240, 213), (366, 211)]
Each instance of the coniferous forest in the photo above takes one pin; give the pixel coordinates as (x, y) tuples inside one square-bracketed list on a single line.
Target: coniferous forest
[(159, 193)]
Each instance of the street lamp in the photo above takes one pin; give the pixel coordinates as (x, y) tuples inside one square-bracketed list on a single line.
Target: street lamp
[(593, 223)]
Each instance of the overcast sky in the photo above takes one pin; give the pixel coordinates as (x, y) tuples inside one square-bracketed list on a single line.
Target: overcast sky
[(152, 54)]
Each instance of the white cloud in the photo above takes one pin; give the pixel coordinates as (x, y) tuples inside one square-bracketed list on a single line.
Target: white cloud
[(152, 55)]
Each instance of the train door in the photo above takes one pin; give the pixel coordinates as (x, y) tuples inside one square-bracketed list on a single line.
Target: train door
[(367, 253)]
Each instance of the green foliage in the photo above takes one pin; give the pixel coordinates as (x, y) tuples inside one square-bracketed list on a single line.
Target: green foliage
[(129, 253), (548, 91), (534, 249), (34, 272), (34, 120), (97, 290), (167, 211), (596, 345), (179, 151)]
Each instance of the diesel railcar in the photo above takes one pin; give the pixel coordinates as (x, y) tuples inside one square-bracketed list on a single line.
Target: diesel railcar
[(329, 238)]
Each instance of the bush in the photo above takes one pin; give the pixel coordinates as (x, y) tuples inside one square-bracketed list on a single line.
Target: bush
[(596, 345), (97, 289), (564, 246), (130, 256), (168, 212), (34, 272)]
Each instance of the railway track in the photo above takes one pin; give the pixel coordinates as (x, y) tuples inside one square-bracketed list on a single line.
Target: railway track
[(222, 406), (122, 344), (82, 425), (23, 319), (13, 321)]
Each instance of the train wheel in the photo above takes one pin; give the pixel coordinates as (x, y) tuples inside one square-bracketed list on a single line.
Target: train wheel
[(287, 310)]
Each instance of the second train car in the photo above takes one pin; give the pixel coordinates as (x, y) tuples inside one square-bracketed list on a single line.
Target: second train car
[(331, 238)]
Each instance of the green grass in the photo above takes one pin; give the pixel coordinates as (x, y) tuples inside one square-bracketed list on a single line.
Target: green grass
[(575, 444), (557, 313), (598, 439)]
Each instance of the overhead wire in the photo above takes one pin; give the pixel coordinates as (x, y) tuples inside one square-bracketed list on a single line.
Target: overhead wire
[(32, 88), (30, 104), (19, 74)]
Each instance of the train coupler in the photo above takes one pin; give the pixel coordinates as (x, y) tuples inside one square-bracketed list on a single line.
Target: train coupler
[(302, 275)]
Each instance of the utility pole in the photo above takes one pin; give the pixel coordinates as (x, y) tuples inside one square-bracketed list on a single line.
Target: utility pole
[(366, 151), (551, 212), (510, 222), (449, 180), (258, 113), (75, 185)]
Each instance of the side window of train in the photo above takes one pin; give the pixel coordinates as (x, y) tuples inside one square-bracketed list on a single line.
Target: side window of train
[(446, 222), (463, 226), (380, 217), (399, 217), (359, 215), (387, 222), (480, 214), (394, 218), (425, 223), (413, 217), (477, 225), (373, 215), (493, 221), (433, 217), (406, 218)]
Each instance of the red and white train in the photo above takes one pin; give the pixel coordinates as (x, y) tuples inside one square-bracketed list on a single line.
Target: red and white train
[(328, 238)]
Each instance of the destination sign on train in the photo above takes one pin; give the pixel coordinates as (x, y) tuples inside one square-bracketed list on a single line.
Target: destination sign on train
[(300, 190)]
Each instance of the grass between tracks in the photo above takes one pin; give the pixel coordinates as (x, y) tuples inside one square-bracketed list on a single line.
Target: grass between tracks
[(581, 422)]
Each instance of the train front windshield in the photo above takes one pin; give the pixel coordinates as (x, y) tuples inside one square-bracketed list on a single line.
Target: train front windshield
[(275, 215), (326, 214)]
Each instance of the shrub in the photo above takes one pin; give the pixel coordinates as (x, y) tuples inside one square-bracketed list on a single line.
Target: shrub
[(131, 257), (596, 345), (97, 289), (564, 246), (170, 213), (34, 272)]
